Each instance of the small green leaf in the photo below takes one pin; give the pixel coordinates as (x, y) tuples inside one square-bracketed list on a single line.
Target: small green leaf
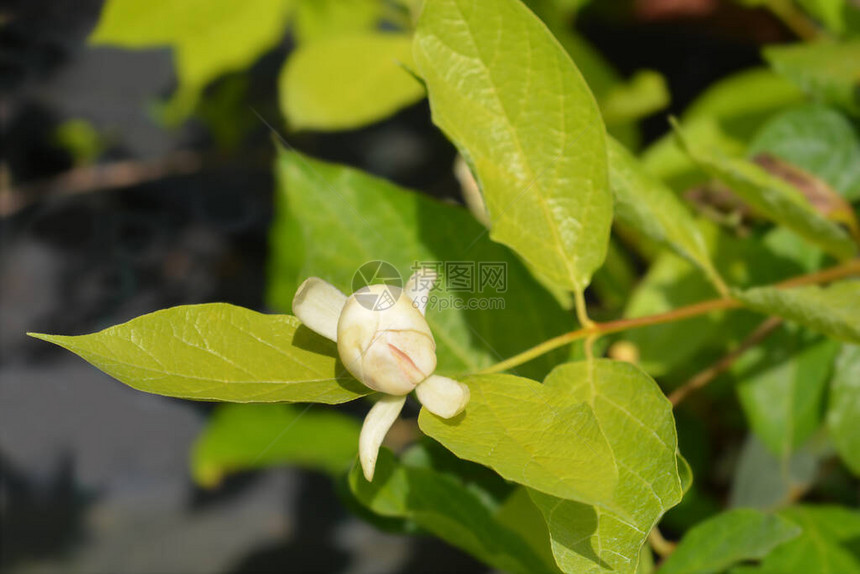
[(243, 437), (507, 94), (830, 72), (772, 198), (444, 507), (843, 412), (348, 81), (208, 38), (331, 219), (726, 539), (596, 443), (782, 383), (323, 19), (646, 204), (833, 310), (218, 352), (827, 545), (644, 94), (820, 141), (838, 16)]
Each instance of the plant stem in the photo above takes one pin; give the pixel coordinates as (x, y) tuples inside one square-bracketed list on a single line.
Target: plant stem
[(794, 19), (704, 377), (846, 269), (660, 545)]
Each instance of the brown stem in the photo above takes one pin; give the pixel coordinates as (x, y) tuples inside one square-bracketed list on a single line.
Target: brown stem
[(704, 377), (846, 269), (99, 177)]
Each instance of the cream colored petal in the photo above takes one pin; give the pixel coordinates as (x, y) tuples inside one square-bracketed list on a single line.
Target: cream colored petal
[(373, 431), (318, 304), (418, 287), (442, 396)]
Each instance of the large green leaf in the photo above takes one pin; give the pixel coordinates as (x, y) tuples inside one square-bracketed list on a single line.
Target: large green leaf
[(323, 19), (782, 384), (208, 38), (218, 352), (829, 543), (348, 81), (830, 72), (244, 437), (726, 539), (838, 16), (443, 506), (833, 310), (819, 140), (331, 219), (596, 443), (772, 198), (510, 98), (645, 203), (843, 412)]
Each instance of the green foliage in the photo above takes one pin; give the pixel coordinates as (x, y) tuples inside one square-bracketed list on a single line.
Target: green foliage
[(348, 81), (729, 538), (218, 352), (571, 474), (244, 437), (363, 218), (601, 458), (833, 310), (826, 71), (782, 387), (772, 198), (532, 134), (817, 139), (645, 203), (204, 35), (442, 505), (844, 409), (828, 543)]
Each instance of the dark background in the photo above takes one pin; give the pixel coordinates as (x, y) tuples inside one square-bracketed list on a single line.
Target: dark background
[(94, 475)]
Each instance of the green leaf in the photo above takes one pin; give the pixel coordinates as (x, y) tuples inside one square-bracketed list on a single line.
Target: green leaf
[(833, 310), (763, 481), (509, 97), (441, 505), (218, 352), (208, 38), (242, 437), (348, 81), (820, 141), (829, 543), (844, 408), (829, 72), (772, 198), (323, 19), (331, 219), (838, 16), (726, 539), (646, 204), (596, 443), (645, 94), (782, 383)]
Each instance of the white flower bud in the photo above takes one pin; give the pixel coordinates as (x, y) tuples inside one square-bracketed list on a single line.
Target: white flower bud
[(389, 350)]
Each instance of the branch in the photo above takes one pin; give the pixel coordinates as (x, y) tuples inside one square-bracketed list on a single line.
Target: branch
[(847, 269), (704, 377), (125, 173)]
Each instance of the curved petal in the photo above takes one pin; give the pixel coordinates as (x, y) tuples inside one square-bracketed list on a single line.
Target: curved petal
[(373, 431), (418, 287), (318, 304), (442, 396)]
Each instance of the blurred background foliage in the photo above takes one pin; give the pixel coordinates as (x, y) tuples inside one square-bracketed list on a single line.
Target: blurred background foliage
[(137, 174)]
